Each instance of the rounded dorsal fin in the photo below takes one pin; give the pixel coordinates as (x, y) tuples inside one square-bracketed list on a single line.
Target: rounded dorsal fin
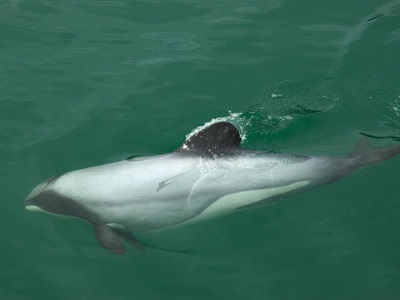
[(214, 140)]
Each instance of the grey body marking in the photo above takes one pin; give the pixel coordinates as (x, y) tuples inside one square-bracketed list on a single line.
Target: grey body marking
[(168, 181)]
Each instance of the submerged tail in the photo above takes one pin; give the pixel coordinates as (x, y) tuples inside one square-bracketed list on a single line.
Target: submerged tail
[(363, 153)]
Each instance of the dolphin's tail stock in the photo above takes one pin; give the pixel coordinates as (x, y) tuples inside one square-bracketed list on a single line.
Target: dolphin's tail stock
[(364, 154)]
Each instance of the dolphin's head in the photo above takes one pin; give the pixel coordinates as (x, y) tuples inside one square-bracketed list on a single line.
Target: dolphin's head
[(46, 198), (40, 199)]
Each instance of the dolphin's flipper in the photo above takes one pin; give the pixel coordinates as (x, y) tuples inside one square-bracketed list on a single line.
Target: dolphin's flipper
[(108, 239), (129, 237)]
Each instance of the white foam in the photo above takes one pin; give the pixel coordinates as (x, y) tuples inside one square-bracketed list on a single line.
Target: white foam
[(234, 118)]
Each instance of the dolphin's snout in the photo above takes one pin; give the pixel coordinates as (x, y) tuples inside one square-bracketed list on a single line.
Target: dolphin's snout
[(28, 203)]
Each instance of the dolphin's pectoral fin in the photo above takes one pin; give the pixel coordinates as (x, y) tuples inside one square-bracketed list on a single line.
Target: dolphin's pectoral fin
[(129, 237), (108, 239)]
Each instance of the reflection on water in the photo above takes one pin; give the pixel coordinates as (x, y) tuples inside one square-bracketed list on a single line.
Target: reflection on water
[(355, 32)]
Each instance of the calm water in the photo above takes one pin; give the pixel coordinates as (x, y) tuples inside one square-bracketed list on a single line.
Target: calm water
[(89, 82)]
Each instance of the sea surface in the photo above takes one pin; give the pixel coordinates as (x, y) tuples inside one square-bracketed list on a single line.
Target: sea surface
[(84, 83)]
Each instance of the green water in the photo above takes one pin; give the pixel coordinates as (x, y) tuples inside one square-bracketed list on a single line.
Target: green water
[(90, 82)]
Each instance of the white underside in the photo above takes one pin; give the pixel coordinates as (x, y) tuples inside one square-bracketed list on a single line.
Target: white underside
[(34, 208), (228, 203)]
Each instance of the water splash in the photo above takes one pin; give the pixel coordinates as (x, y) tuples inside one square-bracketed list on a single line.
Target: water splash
[(283, 104), (235, 118), (393, 114), (278, 107)]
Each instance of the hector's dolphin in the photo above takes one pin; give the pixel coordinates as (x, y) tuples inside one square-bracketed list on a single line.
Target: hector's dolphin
[(207, 176)]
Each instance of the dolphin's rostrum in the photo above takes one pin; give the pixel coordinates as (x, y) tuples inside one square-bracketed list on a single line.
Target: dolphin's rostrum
[(208, 175)]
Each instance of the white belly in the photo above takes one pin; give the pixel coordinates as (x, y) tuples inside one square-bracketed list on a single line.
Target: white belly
[(229, 203)]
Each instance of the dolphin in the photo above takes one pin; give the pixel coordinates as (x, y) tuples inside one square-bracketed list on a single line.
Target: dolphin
[(208, 175)]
